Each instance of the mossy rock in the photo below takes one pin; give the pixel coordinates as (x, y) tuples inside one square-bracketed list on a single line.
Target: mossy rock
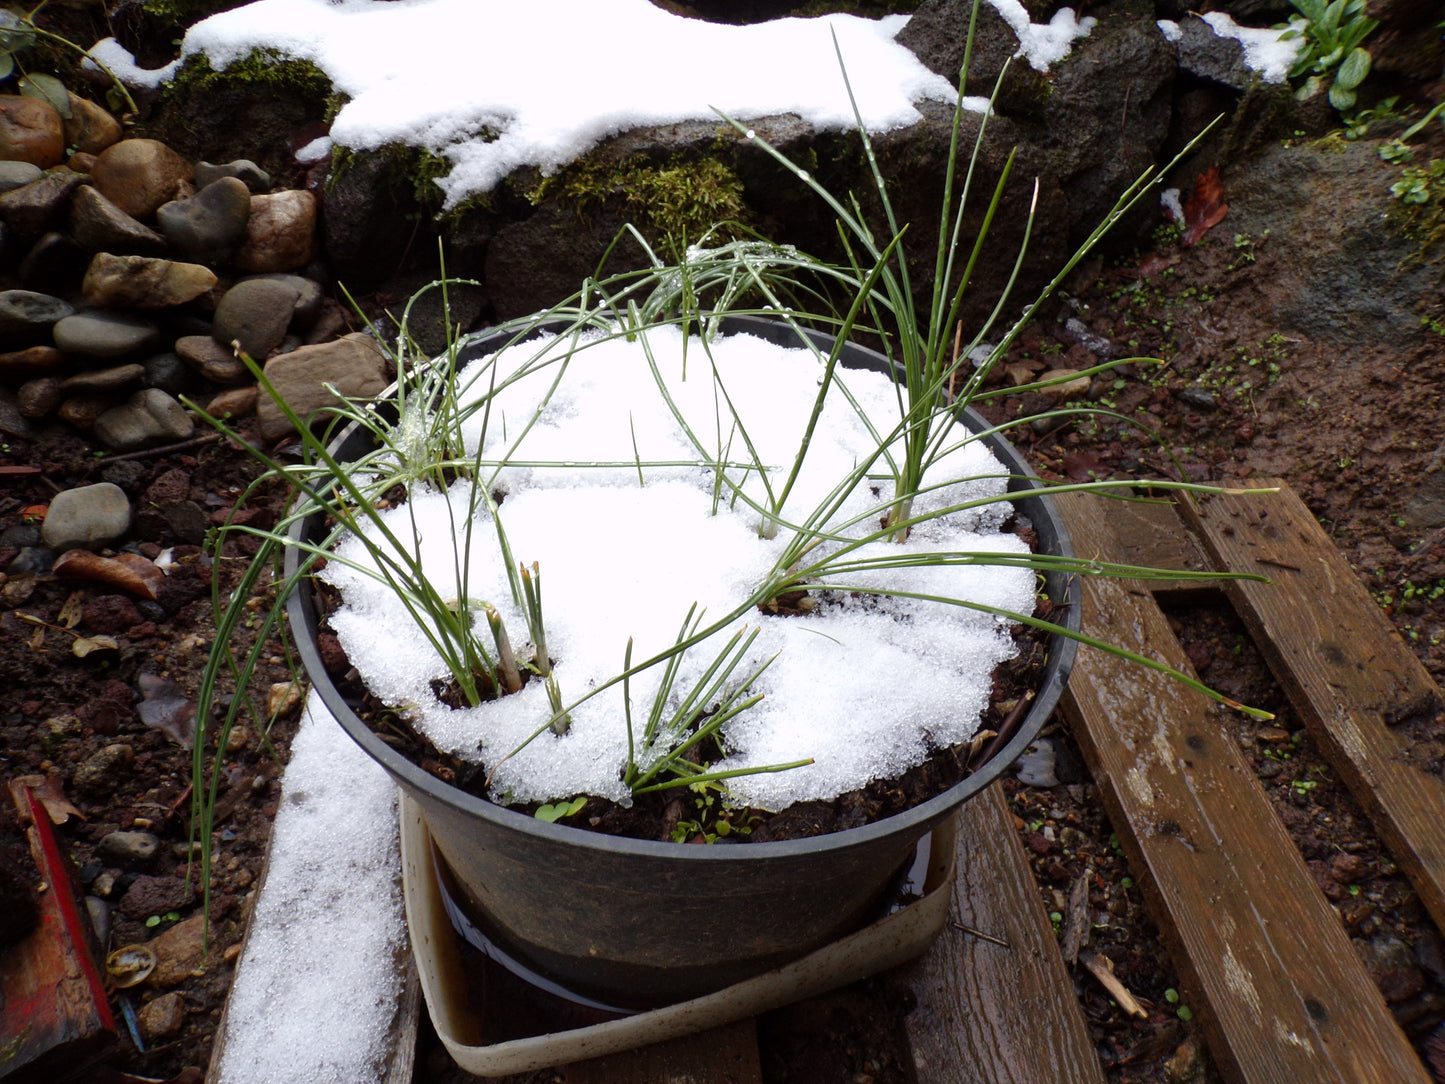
[(253, 109)]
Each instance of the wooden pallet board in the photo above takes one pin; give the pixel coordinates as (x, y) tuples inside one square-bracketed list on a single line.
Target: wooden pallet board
[(1000, 1011), (1261, 953), (725, 1055), (1345, 668)]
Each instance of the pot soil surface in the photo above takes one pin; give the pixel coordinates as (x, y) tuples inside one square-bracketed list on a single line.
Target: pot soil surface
[(1354, 428)]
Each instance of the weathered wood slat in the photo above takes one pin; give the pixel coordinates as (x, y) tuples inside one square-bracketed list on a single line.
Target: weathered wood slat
[(1343, 665), (725, 1055), (1149, 534), (989, 1013), (1260, 951)]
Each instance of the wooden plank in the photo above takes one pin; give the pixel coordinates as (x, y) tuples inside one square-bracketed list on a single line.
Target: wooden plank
[(1151, 534), (54, 1015), (1345, 668), (991, 1013), (1261, 953), (725, 1055)]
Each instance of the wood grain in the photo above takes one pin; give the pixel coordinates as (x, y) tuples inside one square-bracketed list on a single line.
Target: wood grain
[(1343, 665), (1263, 957), (725, 1055), (989, 1013), (1150, 534)]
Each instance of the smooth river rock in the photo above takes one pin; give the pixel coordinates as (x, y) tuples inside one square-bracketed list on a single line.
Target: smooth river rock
[(143, 282), (87, 517)]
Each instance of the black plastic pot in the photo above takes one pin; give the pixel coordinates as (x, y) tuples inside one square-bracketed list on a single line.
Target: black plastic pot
[(639, 923)]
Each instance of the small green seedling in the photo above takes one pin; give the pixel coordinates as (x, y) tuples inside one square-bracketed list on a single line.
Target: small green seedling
[(556, 811)]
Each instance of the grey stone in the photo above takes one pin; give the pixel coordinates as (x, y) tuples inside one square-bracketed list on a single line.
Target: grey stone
[(31, 559), (256, 313), (88, 517), (1206, 55), (208, 226), (144, 282), (353, 365), (163, 1017), (149, 417), (129, 850), (212, 360), (172, 375), (309, 296), (1392, 965), (27, 316), (11, 420), (99, 225), (253, 176), (99, 771), (30, 209), (39, 398), (119, 378), (18, 174), (54, 263), (105, 336)]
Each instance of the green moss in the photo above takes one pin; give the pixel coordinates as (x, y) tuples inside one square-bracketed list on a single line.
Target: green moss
[(678, 201), (188, 10), (261, 67), (407, 175), (1419, 210)]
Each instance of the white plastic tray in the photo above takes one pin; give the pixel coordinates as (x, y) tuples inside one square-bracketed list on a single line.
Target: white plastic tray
[(886, 943)]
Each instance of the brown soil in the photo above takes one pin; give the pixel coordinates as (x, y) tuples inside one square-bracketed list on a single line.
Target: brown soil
[(1354, 429)]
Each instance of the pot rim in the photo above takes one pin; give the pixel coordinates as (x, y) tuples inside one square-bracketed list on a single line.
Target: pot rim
[(302, 615)]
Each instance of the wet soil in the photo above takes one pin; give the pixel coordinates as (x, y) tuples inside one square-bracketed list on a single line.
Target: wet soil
[(1354, 428)]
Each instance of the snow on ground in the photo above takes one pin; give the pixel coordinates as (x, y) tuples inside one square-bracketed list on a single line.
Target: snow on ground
[(492, 85), (317, 987)]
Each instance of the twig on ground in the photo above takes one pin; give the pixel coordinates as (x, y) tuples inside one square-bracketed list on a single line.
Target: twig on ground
[(1102, 968)]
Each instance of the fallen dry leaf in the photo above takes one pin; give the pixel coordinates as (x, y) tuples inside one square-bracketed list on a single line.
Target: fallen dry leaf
[(127, 572), (1023, 372), (84, 645), (71, 611), (1205, 209), (50, 792), (1084, 467)]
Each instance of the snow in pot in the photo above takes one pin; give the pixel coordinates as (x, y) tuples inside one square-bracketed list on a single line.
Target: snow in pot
[(665, 486)]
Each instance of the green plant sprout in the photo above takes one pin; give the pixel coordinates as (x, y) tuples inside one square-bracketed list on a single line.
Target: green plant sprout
[(19, 32), (1331, 55)]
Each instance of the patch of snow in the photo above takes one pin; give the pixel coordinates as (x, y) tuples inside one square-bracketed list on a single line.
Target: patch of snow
[(492, 85), (1170, 29), (122, 64), (317, 987), (1044, 44), (315, 151), (1169, 202), (866, 686), (1264, 52)]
